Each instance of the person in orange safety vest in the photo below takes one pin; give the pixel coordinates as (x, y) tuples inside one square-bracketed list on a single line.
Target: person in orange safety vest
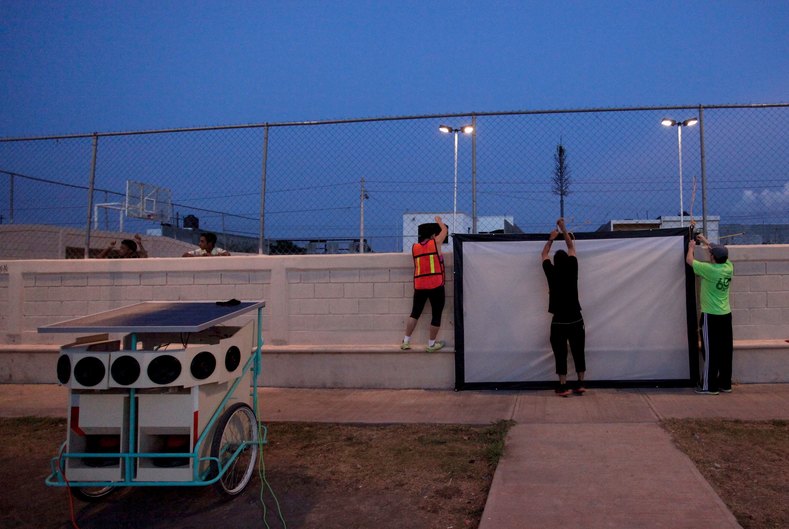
[(428, 281)]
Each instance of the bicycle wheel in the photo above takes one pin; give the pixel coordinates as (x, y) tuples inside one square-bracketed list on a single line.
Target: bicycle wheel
[(89, 494), (92, 494), (236, 426)]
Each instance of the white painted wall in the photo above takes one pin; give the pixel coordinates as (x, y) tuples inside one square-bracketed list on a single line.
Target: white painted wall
[(312, 299)]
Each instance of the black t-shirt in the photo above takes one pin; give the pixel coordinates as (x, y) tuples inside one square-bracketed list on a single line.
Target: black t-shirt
[(563, 290)]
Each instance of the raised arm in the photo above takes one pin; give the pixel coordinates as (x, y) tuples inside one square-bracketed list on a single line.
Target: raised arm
[(106, 251), (546, 250), (141, 251), (442, 235), (568, 240), (691, 250)]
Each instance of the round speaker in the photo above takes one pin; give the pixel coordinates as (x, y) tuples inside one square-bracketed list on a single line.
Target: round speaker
[(203, 365), (125, 370), (89, 371), (164, 369), (232, 358), (64, 369)]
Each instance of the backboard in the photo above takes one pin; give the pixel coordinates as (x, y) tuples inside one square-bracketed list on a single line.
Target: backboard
[(148, 201)]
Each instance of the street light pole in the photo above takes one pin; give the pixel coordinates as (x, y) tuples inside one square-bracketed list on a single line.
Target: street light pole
[(446, 129), (666, 122), (455, 193)]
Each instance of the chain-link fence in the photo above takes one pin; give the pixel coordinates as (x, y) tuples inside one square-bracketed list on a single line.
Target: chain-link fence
[(322, 187)]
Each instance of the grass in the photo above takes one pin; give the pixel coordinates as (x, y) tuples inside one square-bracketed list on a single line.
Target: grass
[(746, 462)]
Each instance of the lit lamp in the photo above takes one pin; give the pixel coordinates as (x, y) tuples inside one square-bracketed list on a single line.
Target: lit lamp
[(446, 129), (666, 122)]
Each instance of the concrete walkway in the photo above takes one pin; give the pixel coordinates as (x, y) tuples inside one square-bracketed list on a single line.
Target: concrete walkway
[(597, 461)]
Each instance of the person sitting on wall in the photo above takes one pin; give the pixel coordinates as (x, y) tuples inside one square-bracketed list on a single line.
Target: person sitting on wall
[(207, 247), (129, 249)]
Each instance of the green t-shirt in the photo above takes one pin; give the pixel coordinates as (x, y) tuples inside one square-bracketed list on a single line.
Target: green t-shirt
[(715, 281)]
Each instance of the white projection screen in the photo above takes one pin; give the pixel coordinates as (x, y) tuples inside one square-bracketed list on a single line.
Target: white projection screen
[(637, 298)]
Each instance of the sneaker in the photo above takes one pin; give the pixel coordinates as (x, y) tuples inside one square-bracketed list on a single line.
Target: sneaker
[(405, 346), (580, 390), (435, 347), (701, 391), (727, 390), (562, 391)]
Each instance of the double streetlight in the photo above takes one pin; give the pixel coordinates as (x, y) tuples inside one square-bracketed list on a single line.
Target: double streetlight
[(666, 122), (446, 129)]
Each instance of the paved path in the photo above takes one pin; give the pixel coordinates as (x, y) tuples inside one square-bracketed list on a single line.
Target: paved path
[(597, 461)]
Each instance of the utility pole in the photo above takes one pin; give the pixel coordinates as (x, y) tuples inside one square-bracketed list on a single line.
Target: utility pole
[(362, 197)]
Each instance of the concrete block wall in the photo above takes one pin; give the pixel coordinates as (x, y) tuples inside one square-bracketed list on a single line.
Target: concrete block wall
[(330, 320), (354, 300), (311, 299), (760, 292)]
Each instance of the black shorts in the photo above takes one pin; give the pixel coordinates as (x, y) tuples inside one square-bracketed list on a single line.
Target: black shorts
[(437, 299)]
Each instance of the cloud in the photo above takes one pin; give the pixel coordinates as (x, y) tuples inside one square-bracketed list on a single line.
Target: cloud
[(767, 199)]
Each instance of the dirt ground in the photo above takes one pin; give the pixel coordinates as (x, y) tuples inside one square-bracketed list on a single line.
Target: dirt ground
[(397, 476), (747, 462), (324, 476)]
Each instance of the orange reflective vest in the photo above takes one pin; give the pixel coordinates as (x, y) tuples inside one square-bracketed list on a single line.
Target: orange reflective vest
[(428, 266)]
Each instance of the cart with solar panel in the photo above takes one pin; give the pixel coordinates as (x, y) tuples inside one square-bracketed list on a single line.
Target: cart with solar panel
[(160, 394)]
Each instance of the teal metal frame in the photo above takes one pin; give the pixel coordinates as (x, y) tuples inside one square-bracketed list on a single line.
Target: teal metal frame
[(57, 476)]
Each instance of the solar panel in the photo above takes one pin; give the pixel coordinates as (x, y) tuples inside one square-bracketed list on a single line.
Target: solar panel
[(157, 316)]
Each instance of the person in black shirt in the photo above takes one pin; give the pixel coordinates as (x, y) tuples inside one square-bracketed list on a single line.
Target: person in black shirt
[(567, 325)]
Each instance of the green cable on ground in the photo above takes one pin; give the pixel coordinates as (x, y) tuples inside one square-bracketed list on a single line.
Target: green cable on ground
[(263, 480)]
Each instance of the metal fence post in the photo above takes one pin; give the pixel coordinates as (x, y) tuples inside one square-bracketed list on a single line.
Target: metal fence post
[(11, 199), (474, 174), (91, 184), (262, 238), (703, 173)]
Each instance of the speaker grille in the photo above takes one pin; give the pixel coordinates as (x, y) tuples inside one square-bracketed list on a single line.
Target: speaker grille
[(89, 371), (64, 369), (232, 358), (125, 370), (164, 369), (203, 365)]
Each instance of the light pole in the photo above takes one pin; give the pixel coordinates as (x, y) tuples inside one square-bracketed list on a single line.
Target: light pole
[(666, 122), (446, 129)]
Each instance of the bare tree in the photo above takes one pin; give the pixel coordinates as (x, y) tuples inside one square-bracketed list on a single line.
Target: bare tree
[(561, 175)]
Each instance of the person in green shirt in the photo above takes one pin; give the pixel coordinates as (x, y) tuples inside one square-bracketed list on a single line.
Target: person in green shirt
[(715, 322)]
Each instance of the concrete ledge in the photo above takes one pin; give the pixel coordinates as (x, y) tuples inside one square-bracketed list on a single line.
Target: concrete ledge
[(356, 366), (28, 364), (761, 344), (374, 366), (760, 361)]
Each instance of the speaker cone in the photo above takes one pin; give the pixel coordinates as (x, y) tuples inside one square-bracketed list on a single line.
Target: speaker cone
[(89, 371), (164, 369), (232, 358), (125, 370), (203, 365), (64, 369)]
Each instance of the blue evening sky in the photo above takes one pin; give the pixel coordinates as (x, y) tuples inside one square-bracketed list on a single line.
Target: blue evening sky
[(84, 66)]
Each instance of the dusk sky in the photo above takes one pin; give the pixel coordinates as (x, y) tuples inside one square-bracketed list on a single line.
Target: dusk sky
[(85, 66)]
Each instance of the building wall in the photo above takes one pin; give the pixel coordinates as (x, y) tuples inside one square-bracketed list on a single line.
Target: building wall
[(38, 241), (310, 299)]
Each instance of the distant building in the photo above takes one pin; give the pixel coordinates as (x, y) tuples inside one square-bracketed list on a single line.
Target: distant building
[(755, 233), (664, 222), (460, 223)]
